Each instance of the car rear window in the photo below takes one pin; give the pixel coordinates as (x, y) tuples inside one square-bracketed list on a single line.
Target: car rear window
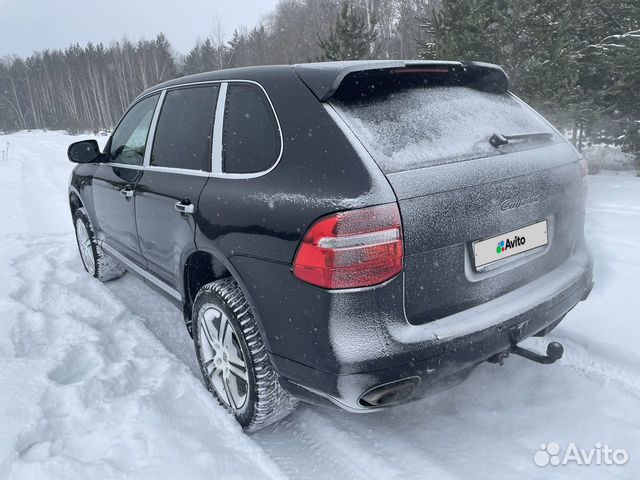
[(424, 126)]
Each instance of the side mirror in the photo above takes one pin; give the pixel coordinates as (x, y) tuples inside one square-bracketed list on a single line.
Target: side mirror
[(86, 151)]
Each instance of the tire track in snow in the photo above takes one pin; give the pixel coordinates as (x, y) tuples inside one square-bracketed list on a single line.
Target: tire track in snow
[(331, 444), (587, 358), (321, 449), (430, 437), (111, 400)]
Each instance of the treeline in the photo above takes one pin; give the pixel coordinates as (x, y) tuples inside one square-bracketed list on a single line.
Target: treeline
[(577, 60), (81, 87), (88, 87), (295, 30)]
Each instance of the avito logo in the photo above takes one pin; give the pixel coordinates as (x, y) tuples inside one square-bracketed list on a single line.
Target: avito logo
[(504, 245)]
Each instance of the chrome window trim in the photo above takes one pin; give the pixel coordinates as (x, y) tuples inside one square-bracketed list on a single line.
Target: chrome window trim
[(140, 271), (179, 171), (152, 130), (240, 176), (216, 171), (154, 125), (218, 128), (122, 165)]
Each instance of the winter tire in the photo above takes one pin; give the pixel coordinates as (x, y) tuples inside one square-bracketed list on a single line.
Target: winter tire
[(95, 261), (233, 359)]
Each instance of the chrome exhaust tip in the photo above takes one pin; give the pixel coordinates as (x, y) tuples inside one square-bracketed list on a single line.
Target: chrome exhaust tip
[(389, 393)]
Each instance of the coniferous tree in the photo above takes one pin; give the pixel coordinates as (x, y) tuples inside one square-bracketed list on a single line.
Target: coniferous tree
[(353, 37), (566, 58), (610, 65), (192, 62)]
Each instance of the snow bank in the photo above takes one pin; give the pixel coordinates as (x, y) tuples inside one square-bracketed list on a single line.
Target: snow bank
[(607, 157)]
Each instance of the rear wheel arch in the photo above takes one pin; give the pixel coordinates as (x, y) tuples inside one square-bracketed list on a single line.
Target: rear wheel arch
[(202, 267)]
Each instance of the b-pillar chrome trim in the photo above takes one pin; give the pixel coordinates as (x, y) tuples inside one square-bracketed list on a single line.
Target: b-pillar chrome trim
[(216, 150)]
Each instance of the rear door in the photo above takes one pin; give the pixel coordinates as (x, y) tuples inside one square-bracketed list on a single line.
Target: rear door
[(115, 180), (430, 134), (167, 194)]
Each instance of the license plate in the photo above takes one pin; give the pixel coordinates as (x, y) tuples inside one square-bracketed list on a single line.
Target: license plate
[(509, 244)]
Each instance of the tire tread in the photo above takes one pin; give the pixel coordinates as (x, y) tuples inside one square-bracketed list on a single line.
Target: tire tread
[(272, 402), (107, 268)]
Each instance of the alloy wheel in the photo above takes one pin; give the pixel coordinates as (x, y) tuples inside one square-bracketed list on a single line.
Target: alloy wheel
[(85, 246), (222, 357)]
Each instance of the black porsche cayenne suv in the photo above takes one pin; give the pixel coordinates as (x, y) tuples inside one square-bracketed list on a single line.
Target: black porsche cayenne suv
[(354, 234)]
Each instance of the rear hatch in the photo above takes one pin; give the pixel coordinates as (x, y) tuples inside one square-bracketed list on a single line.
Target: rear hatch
[(469, 163)]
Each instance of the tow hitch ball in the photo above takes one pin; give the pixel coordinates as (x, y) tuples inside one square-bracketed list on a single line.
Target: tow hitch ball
[(554, 353)]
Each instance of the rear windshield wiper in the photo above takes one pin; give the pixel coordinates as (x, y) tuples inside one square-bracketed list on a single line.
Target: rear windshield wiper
[(497, 139)]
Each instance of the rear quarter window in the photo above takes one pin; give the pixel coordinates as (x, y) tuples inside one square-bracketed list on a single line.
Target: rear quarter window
[(251, 138), (427, 126)]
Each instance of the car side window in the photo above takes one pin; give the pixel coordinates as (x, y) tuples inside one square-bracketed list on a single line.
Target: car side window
[(185, 128), (129, 140), (251, 138)]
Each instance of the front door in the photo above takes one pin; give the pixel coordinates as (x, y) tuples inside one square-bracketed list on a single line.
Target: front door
[(115, 180), (168, 191)]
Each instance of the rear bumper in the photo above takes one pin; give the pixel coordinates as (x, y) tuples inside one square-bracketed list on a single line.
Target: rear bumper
[(441, 353)]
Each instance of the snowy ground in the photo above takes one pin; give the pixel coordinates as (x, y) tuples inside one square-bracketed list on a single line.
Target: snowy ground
[(99, 381)]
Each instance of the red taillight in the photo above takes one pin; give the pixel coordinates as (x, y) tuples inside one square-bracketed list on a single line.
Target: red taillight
[(357, 248), (584, 170)]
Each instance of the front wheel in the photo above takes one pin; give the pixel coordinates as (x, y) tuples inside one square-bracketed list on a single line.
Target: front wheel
[(233, 359), (95, 261)]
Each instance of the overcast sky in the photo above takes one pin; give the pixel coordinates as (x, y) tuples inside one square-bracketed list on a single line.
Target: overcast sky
[(29, 25)]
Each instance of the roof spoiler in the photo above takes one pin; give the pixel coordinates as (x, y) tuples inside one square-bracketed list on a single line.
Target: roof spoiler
[(324, 79)]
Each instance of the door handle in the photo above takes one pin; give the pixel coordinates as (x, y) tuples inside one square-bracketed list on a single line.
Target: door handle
[(127, 192), (185, 206)]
